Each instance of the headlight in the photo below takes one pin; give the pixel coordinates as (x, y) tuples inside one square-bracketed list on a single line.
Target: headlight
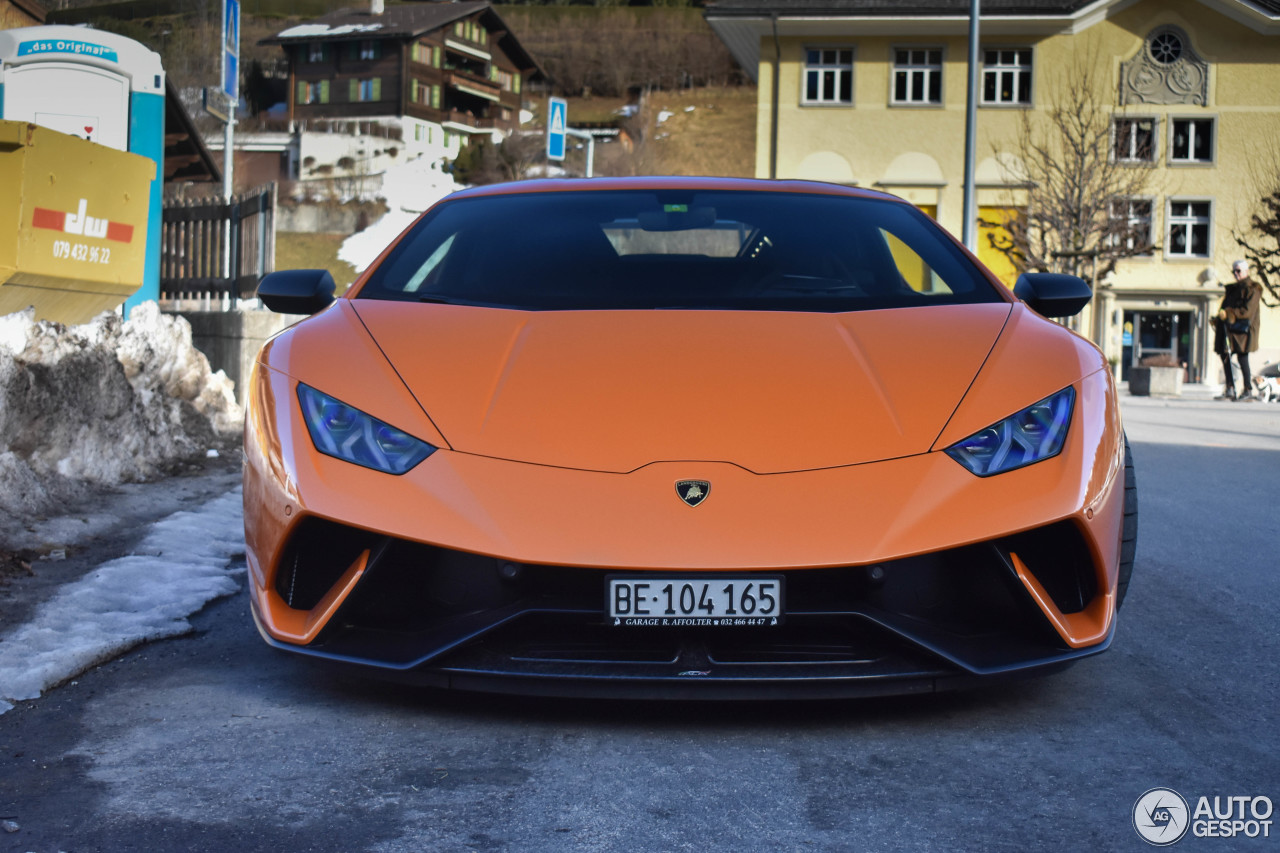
[(346, 433), (1037, 432)]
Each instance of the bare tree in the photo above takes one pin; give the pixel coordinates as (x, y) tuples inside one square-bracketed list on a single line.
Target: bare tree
[(486, 162), (1087, 182), (1261, 239)]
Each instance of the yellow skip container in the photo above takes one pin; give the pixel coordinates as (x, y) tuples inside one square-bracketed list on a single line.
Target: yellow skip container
[(73, 223)]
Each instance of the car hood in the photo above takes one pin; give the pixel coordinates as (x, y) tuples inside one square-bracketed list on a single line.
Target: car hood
[(616, 390)]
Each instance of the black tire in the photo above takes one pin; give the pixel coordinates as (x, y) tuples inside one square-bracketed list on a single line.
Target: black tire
[(1129, 536)]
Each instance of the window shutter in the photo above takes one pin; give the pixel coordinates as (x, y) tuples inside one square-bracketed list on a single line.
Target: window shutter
[(353, 90), (324, 91), (435, 97), (517, 84), (377, 88), (436, 56), (301, 96)]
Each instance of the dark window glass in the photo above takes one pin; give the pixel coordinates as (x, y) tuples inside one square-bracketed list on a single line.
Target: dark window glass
[(935, 88), (1192, 140), (1200, 239), (846, 87), (646, 249), (1203, 141), (811, 90), (1135, 139), (900, 86)]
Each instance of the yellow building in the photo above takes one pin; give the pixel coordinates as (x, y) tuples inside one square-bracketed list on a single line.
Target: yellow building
[(873, 93)]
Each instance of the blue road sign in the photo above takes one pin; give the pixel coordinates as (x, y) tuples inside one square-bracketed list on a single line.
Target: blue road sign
[(557, 124), (231, 50)]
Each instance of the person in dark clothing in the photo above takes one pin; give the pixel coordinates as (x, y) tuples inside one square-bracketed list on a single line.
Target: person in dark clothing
[(1236, 329)]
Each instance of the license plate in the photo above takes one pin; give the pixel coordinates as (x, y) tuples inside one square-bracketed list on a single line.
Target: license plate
[(712, 602)]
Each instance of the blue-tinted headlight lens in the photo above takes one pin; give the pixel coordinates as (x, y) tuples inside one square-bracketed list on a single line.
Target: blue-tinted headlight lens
[(1037, 432), (346, 433)]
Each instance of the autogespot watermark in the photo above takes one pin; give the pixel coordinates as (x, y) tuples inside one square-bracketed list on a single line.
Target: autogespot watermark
[(1162, 817)]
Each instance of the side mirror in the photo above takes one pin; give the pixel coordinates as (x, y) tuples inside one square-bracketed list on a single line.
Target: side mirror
[(296, 291), (1052, 294)]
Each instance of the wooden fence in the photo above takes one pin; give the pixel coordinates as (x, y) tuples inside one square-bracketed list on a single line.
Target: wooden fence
[(211, 250)]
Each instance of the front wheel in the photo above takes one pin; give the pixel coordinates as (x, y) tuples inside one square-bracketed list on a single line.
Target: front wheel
[(1129, 535)]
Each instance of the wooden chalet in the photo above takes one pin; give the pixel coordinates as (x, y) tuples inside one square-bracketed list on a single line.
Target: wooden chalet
[(454, 65)]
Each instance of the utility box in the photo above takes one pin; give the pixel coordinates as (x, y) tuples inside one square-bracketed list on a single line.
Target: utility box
[(101, 87), (73, 223)]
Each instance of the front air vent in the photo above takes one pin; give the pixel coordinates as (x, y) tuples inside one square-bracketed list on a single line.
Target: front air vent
[(318, 554), (1059, 558)]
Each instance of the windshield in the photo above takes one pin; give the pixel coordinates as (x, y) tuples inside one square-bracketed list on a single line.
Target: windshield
[(635, 249)]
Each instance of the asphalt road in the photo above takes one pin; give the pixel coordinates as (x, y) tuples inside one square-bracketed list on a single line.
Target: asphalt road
[(216, 742)]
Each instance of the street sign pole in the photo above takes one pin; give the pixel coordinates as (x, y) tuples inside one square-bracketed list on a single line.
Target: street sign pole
[(230, 94), (230, 88)]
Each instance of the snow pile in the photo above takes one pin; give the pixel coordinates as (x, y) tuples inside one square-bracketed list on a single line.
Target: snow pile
[(180, 566), (108, 402), (408, 190)]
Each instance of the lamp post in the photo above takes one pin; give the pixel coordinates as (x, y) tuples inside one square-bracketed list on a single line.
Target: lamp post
[(970, 231)]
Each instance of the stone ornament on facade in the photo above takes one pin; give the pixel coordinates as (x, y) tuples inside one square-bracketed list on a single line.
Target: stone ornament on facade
[(1165, 71)]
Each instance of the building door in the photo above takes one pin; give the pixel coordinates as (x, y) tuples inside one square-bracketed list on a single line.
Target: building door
[(1155, 333)]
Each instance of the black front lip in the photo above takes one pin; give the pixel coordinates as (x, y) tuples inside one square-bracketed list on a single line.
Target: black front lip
[(928, 659)]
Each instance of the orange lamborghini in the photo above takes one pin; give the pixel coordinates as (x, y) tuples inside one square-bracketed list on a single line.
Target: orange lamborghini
[(682, 437)]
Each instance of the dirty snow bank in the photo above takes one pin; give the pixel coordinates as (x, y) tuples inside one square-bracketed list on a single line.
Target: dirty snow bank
[(180, 566), (408, 190), (108, 402)]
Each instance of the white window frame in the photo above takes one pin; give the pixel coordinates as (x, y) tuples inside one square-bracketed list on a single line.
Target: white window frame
[(315, 51), (1188, 220), (1131, 219), (1016, 68), (820, 69), (1193, 122), (1130, 156), (368, 49), (926, 69)]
